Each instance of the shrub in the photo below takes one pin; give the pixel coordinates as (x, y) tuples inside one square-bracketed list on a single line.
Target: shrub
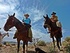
[(41, 43), (67, 39), (51, 49), (67, 48), (67, 44)]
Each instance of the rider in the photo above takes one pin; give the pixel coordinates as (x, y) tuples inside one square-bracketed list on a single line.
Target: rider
[(55, 21), (54, 17), (27, 22)]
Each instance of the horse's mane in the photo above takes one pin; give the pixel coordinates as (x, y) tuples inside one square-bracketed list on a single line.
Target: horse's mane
[(18, 21)]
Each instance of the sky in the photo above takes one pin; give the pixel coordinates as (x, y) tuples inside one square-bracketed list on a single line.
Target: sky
[(36, 9)]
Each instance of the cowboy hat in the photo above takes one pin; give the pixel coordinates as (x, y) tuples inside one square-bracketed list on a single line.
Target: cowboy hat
[(26, 15), (53, 13)]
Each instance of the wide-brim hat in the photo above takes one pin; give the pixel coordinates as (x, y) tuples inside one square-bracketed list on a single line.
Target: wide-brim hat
[(26, 15), (53, 13)]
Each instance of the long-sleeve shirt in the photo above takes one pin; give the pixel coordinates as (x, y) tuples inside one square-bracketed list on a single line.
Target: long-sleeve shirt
[(54, 18), (27, 21)]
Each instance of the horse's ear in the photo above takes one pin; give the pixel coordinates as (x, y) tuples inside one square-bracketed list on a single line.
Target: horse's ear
[(13, 14), (46, 15), (43, 16)]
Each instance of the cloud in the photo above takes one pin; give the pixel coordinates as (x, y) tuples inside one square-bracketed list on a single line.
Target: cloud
[(1, 0), (11, 6), (38, 15), (34, 13), (4, 8), (41, 35), (7, 6)]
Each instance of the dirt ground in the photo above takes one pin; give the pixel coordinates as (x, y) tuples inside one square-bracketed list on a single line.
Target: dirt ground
[(31, 49), (13, 49)]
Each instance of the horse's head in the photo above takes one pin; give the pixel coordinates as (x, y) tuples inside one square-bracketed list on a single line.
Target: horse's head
[(10, 22), (46, 21)]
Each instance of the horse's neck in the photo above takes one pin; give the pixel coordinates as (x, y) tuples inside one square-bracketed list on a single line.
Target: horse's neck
[(50, 22), (18, 25)]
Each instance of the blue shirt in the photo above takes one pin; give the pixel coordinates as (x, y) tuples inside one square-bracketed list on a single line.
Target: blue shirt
[(27, 21)]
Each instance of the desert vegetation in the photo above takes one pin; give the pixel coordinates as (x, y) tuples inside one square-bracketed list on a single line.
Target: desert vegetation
[(47, 47)]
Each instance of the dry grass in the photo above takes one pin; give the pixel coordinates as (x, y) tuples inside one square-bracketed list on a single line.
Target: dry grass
[(31, 49)]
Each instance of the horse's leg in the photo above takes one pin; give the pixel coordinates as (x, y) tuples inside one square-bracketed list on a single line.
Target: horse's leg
[(18, 42), (23, 47), (53, 42), (58, 41), (26, 46), (60, 45)]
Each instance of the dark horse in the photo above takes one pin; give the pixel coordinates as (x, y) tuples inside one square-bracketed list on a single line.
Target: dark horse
[(22, 31), (55, 31)]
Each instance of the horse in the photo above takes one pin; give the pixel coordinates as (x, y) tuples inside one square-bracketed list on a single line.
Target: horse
[(22, 31), (55, 31)]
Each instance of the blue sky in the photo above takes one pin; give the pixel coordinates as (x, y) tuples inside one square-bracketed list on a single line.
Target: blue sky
[(36, 9)]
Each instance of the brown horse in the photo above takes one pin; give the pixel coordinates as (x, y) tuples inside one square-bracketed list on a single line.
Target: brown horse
[(22, 31), (55, 31)]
